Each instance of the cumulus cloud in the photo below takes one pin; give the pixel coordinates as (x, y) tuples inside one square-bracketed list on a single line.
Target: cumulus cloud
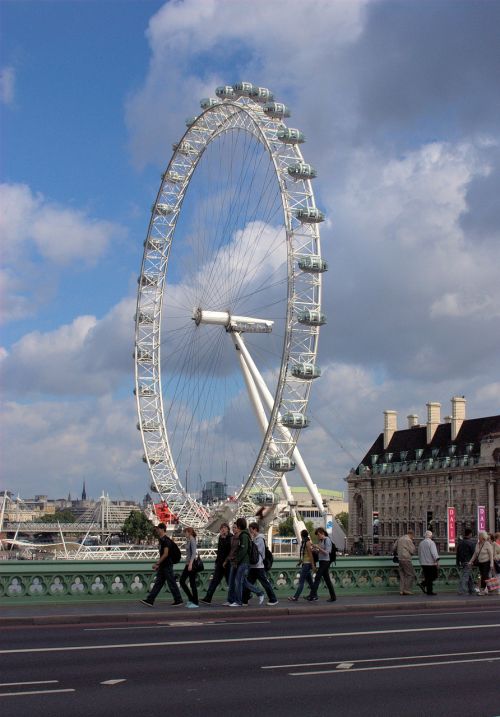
[(40, 239), (7, 85)]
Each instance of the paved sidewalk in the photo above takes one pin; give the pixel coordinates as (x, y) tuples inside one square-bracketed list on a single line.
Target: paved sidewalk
[(133, 611)]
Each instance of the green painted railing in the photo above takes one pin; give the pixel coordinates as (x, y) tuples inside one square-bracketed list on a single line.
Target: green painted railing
[(44, 581)]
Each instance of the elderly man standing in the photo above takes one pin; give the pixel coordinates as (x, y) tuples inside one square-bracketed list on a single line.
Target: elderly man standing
[(429, 560), (404, 547)]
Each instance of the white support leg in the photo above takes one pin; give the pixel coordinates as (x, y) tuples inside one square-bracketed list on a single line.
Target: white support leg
[(266, 394)]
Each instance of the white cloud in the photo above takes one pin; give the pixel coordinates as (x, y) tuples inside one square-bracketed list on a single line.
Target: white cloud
[(7, 85)]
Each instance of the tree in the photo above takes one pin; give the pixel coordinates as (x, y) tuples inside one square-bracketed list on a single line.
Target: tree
[(285, 529), (60, 516), (137, 527), (343, 519)]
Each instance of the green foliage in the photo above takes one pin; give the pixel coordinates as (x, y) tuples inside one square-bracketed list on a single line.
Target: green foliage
[(343, 519), (310, 527), (61, 516), (137, 527), (285, 529)]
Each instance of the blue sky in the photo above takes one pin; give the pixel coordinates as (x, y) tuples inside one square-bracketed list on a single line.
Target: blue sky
[(399, 102)]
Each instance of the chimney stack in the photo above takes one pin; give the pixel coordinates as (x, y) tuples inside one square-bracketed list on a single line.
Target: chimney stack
[(390, 426), (412, 420), (457, 415), (433, 419)]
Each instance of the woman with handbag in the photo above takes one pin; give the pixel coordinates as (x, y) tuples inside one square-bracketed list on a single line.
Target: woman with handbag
[(189, 572), (483, 558)]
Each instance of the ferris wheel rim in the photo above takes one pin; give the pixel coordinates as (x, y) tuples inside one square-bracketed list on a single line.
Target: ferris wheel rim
[(265, 131)]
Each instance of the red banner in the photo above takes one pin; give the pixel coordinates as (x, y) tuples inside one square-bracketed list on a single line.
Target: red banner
[(452, 528), (481, 517)]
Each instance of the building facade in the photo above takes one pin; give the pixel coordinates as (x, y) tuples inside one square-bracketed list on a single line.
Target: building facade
[(409, 478)]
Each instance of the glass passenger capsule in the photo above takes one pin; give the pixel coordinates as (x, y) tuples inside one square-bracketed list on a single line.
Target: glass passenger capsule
[(264, 498), (172, 177), (143, 318), (149, 426), (288, 135), (302, 171), (162, 210), (153, 488), (313, 264), (155, 243), (276, 110), (311, 317), (147, 280), (306, 371), (261, 94), (281, 464), (154, 459), (184, 147), (191, 120), (310, 216), (294, 419), (208, 102), (144, 355), (145, 390), (224, 92), (243, 89)]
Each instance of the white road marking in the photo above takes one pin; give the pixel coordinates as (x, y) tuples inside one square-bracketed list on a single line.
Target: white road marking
[(344, 665), (380, 659), (430, 614), (394, 667), (113, 682), (173, 624), (33, 692), (34, 682), (230, 640)]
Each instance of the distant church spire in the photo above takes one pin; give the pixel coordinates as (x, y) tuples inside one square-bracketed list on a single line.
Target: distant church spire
[(84, 492)]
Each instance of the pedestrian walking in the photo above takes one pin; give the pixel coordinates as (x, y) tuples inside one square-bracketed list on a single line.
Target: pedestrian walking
[(483, 557), (465, 551), (306, 560), (429, 560), (222, 566), (242, 564), (404, 548), (324, 548), (231, 560), (257, 571), (496, 553), (164, 568), (189, 573)]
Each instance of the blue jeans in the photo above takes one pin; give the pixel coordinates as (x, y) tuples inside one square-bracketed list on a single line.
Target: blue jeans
[(304, 577), (241, 583), (231, 592), (466, 584)]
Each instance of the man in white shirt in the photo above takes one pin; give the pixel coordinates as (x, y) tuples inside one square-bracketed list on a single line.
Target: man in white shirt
[(429, 560)]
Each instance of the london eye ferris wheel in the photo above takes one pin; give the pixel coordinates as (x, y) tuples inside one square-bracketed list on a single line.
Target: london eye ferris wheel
[(229, 307)]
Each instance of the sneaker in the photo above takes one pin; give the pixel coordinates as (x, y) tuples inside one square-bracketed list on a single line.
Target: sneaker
[(205, 601), (147, 602), (292, 598), (261, 599), (192, 605), (234, 604), (227, 603), (311, 599), (177, 603), (331, 599), (244, 604), (272, 602)]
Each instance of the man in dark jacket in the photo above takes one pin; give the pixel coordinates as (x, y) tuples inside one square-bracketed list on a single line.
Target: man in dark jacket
[(241, 562), (222, 566), (164, 570), (465, 551)]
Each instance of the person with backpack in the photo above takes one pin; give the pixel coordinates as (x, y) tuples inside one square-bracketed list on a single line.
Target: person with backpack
[(257, 570), (222, 567), (241, 564), (307, 563), (164, 567), (324, 549)]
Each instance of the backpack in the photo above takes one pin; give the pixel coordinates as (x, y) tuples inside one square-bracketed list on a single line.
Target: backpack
[(174, 552), (333, 553), (253, 553), (268, 559)]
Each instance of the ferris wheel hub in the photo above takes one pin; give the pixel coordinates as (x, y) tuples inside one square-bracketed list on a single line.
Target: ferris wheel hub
[(232, 323)]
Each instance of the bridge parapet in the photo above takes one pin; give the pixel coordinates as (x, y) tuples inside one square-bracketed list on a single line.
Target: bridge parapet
[(28, 582)]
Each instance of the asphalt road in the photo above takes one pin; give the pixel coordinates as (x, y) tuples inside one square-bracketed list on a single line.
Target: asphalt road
[(441, 662)]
